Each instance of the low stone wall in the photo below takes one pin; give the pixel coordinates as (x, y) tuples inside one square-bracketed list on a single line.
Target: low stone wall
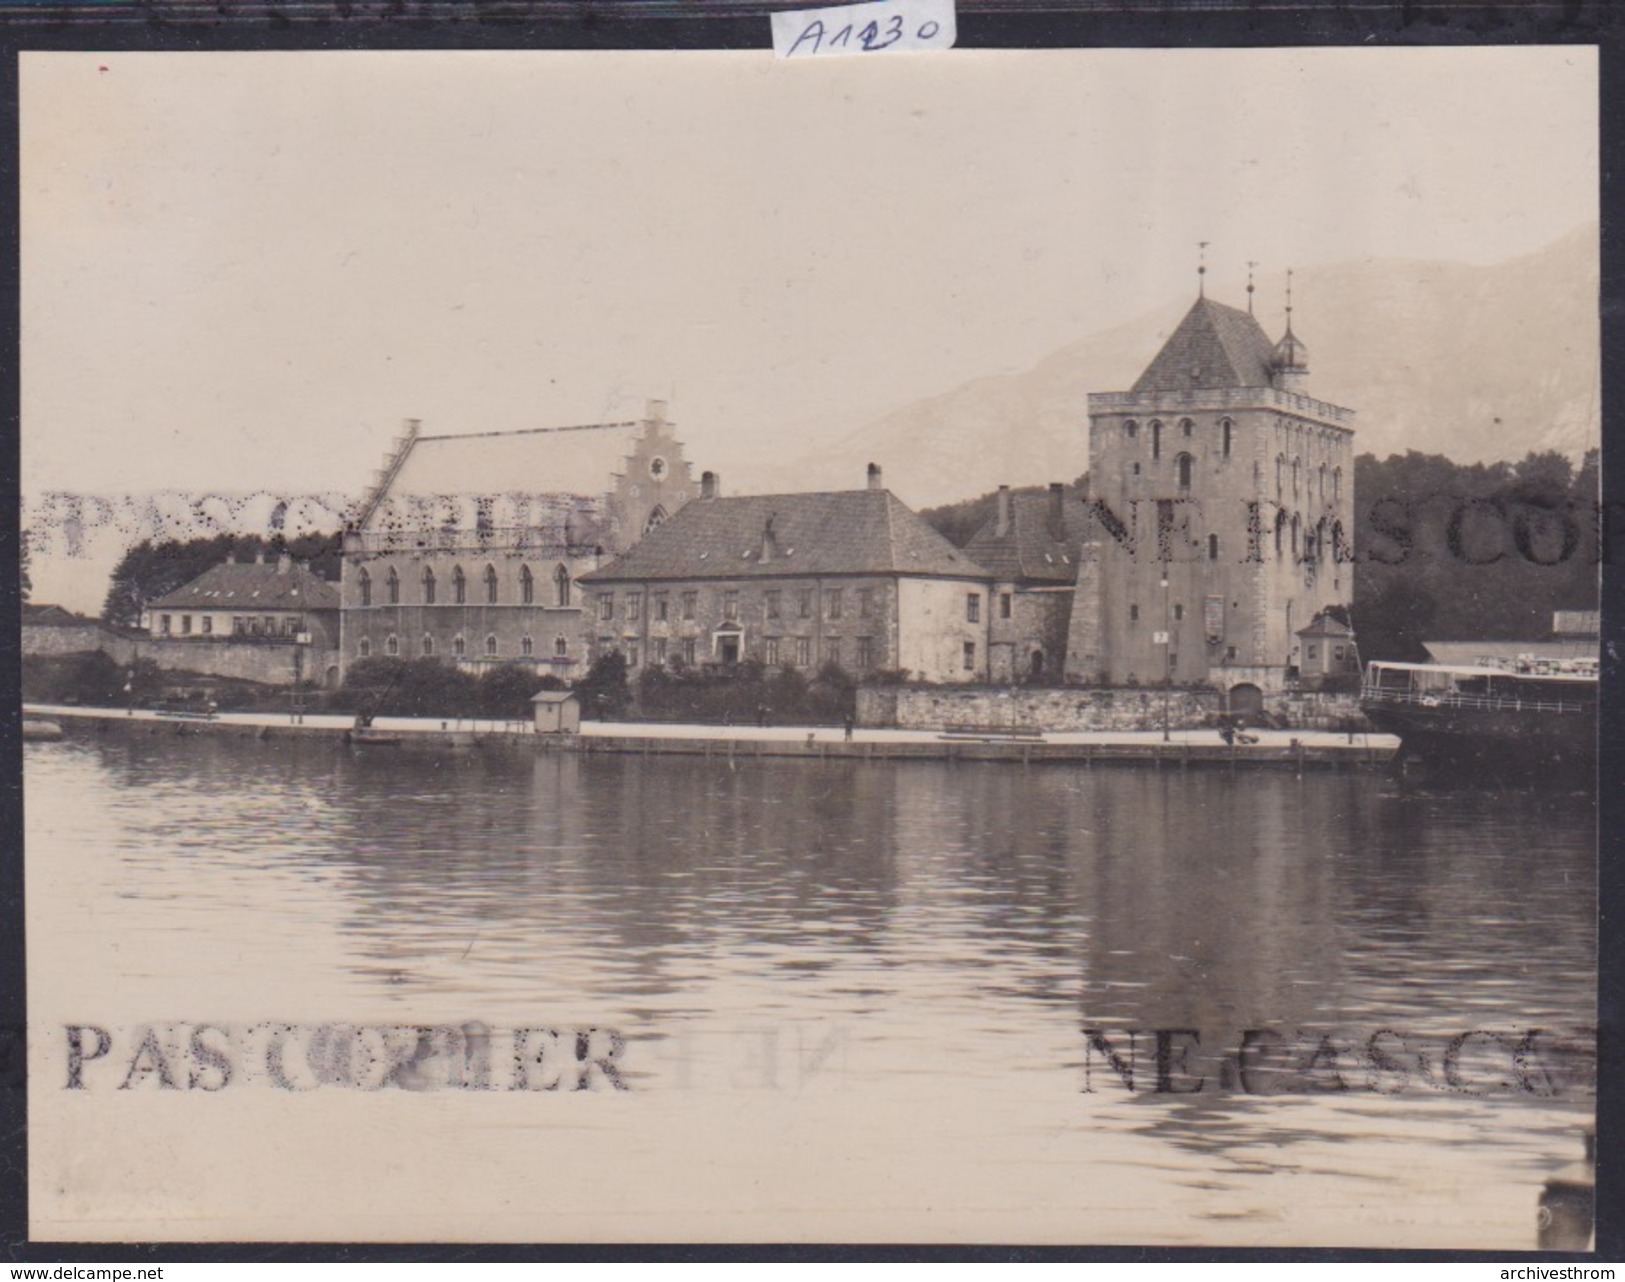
[(265, 662), (77, 639), (1314, 711), (1000, 708)]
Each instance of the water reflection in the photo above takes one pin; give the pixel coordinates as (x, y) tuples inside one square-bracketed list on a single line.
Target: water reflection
[(935, 931), (1121, 897)]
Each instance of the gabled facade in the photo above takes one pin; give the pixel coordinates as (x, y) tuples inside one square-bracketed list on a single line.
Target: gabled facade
[(852, 578), (469, 547), (1031, 548), (1222, 502)]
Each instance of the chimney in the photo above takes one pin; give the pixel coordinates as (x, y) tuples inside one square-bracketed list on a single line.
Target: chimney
[(284, 563), (259, 557), (1001, 523), (710, 485), (654, 412), (1057, 500), (770, 542), (875, 483)]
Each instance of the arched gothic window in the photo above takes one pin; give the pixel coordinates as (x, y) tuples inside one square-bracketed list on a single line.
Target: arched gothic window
[(491, 647), (1131, 429), (1186, 427), (526, 647), (428, 587), (458, 646), (394, 587), (527, 586), (561, 585), (1184, 463), (561, 647), (365, 581), (1226, 433), (655, 518), (392, 646), (490, 585), (428, 645), (364, 649), (459, 586), (1156, 439)]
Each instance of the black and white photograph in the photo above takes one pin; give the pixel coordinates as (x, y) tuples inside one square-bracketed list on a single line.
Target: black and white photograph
[(964, 646)]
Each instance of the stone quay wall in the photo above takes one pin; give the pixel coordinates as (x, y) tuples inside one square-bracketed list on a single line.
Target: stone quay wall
[(1033, 710)]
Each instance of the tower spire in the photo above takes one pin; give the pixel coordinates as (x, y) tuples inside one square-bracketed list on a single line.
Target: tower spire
[(1250, 265), (1288, 300), (1201, 268)]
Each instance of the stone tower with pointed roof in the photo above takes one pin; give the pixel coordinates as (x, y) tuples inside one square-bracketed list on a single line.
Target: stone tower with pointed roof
[(1222, 497)]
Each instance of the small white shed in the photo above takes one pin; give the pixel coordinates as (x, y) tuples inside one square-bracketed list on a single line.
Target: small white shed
[(557, 712)]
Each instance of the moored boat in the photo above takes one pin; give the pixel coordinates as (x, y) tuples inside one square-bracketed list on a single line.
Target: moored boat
[(1528, 715)]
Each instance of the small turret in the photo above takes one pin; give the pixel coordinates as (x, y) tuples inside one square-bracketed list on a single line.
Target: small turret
[(1289, 364)]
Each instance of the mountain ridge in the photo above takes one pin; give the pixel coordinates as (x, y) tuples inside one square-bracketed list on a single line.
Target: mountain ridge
[(1477, 362)]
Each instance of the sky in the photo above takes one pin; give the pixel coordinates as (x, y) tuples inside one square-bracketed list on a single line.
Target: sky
[(243, 270)]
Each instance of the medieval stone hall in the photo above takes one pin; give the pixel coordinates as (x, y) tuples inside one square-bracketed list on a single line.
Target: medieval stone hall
[(1222, 507), (468, 548)]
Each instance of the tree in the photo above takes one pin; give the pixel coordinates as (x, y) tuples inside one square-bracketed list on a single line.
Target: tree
[(604, 691), (148, 570), (505, 692), (1450, 551)]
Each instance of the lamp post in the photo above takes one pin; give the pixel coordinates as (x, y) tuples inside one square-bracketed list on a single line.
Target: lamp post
[(1166, 637)]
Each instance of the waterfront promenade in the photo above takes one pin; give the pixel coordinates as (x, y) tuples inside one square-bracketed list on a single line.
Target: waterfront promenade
[(1183, 746)]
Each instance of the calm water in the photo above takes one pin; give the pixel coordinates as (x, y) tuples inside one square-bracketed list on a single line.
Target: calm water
[(850, 990)]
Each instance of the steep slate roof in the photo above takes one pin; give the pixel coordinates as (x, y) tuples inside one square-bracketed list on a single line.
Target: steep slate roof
[(52, 616), (845, 532), (235, 586), (1213, 347), (1029, 549), (549, 460)]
